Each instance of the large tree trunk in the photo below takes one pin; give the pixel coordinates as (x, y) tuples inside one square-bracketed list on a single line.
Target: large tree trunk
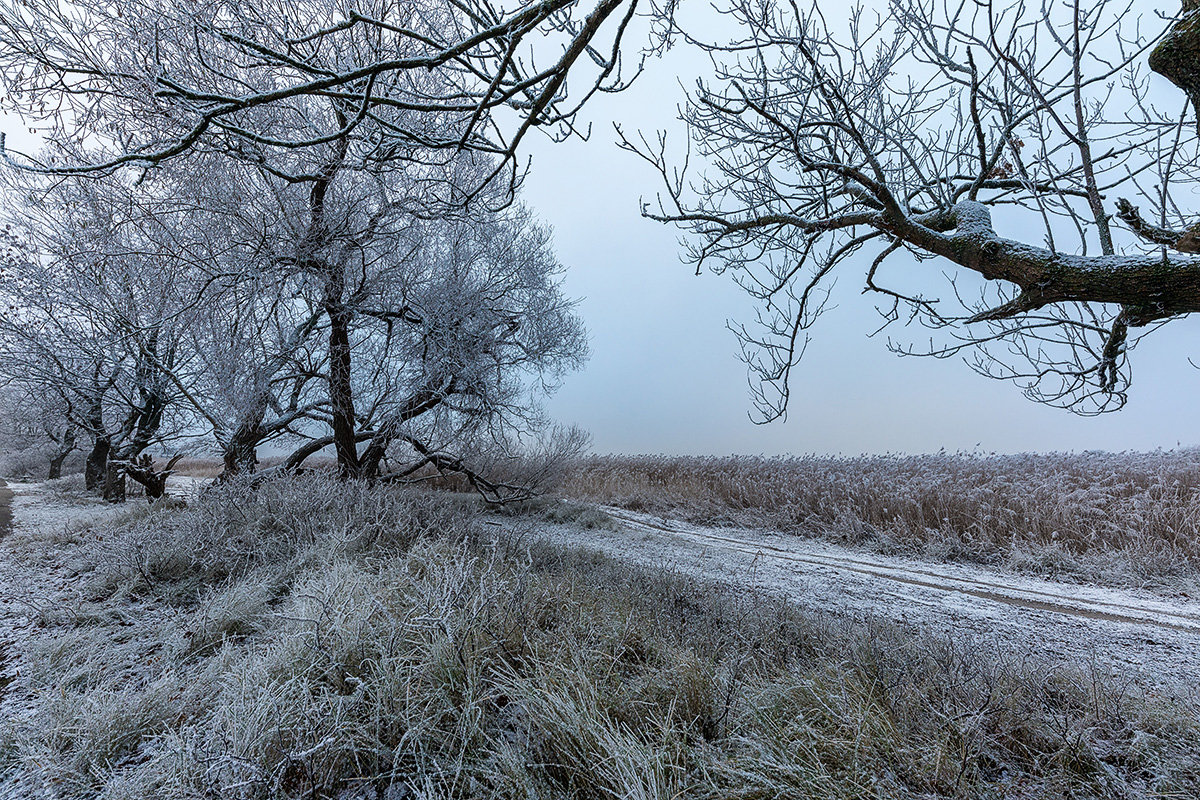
[(56, 465), (148, 414), (65, 447), (96, 466), (241, 452), (420, 402), (154, 481), (372, 457), (341, 392), (114, 482)]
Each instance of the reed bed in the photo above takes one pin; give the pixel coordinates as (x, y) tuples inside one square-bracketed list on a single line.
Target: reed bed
[(1122, 517)]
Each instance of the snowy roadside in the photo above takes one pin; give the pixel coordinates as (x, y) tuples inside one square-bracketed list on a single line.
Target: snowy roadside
[(37, 579), (1137, 637), (29, 588), (1128, 634)]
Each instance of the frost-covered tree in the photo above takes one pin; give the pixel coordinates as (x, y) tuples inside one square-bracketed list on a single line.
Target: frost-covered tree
[(420, 80), (1022, 150), (460, 325), (363, 126), (451, 320), (204, 282), (36, 429), (94, 317)]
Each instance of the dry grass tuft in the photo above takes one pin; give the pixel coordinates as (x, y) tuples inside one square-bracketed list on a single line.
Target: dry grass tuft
[(1123, 518), (316, 639)]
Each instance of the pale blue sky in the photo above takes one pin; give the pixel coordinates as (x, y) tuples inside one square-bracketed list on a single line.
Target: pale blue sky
[(664, 374)]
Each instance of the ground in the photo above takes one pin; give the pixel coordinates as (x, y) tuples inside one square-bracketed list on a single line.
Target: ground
[(1132, 634), (31, 588), (1135, 637)]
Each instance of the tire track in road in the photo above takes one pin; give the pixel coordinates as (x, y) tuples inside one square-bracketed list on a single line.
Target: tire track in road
[(1067, 599), (1127, 634)]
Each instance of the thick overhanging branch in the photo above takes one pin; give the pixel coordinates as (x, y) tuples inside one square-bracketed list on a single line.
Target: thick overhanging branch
[(494, 492), (314, 446), (1149, 287), (1177, 56)]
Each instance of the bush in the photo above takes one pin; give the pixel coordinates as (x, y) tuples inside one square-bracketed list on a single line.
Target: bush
[(284, 524)]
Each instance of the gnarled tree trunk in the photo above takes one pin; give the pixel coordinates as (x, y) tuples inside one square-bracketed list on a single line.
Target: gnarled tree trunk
[(96, 466), (154, 481), (114, 482), (1177, 56), (66, 446), (241, 452)]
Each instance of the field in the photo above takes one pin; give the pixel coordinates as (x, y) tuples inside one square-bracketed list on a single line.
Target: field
[(1115, 518), (313, 639)]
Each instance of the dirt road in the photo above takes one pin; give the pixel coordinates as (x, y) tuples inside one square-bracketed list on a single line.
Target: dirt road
[(1127, 633)]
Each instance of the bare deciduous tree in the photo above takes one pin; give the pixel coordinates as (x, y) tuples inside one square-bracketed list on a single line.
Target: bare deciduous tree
[(94, 316), (36, 428), (1025, 146), (374, 134), (426, 79)]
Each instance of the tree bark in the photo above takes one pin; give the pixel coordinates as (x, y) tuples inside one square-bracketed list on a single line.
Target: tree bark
[(114, 482), (420, 402), (333, 301), (153, 480), (96, 466), (1149, 288), (341, 392), (65, 448), (241, 452), (1177, 56), (56, 465)]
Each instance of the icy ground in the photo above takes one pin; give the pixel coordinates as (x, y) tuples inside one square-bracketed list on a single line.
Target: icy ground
[(33, 587), (1129, 634), (29, 590), (1133, 635)]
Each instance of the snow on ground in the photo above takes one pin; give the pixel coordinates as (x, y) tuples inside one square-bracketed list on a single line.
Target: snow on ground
[(28, 589), (186, 487), (1129, 634)]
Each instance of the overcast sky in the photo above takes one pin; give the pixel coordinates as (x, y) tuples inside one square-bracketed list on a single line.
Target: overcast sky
[(664, 376)]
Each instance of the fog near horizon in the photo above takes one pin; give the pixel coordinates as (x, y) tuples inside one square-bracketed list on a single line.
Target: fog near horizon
[(664, 374)]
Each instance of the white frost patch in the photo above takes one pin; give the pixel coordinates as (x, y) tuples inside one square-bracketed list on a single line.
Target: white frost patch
[(186, 487), (28, 589), (1128, 634)]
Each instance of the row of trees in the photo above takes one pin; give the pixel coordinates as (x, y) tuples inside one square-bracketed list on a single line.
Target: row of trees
[(334, 184), (216, 299), (255, 224)]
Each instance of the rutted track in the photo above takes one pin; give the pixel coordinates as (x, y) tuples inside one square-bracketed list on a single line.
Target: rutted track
[(1129, 633), (1130, 609)]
